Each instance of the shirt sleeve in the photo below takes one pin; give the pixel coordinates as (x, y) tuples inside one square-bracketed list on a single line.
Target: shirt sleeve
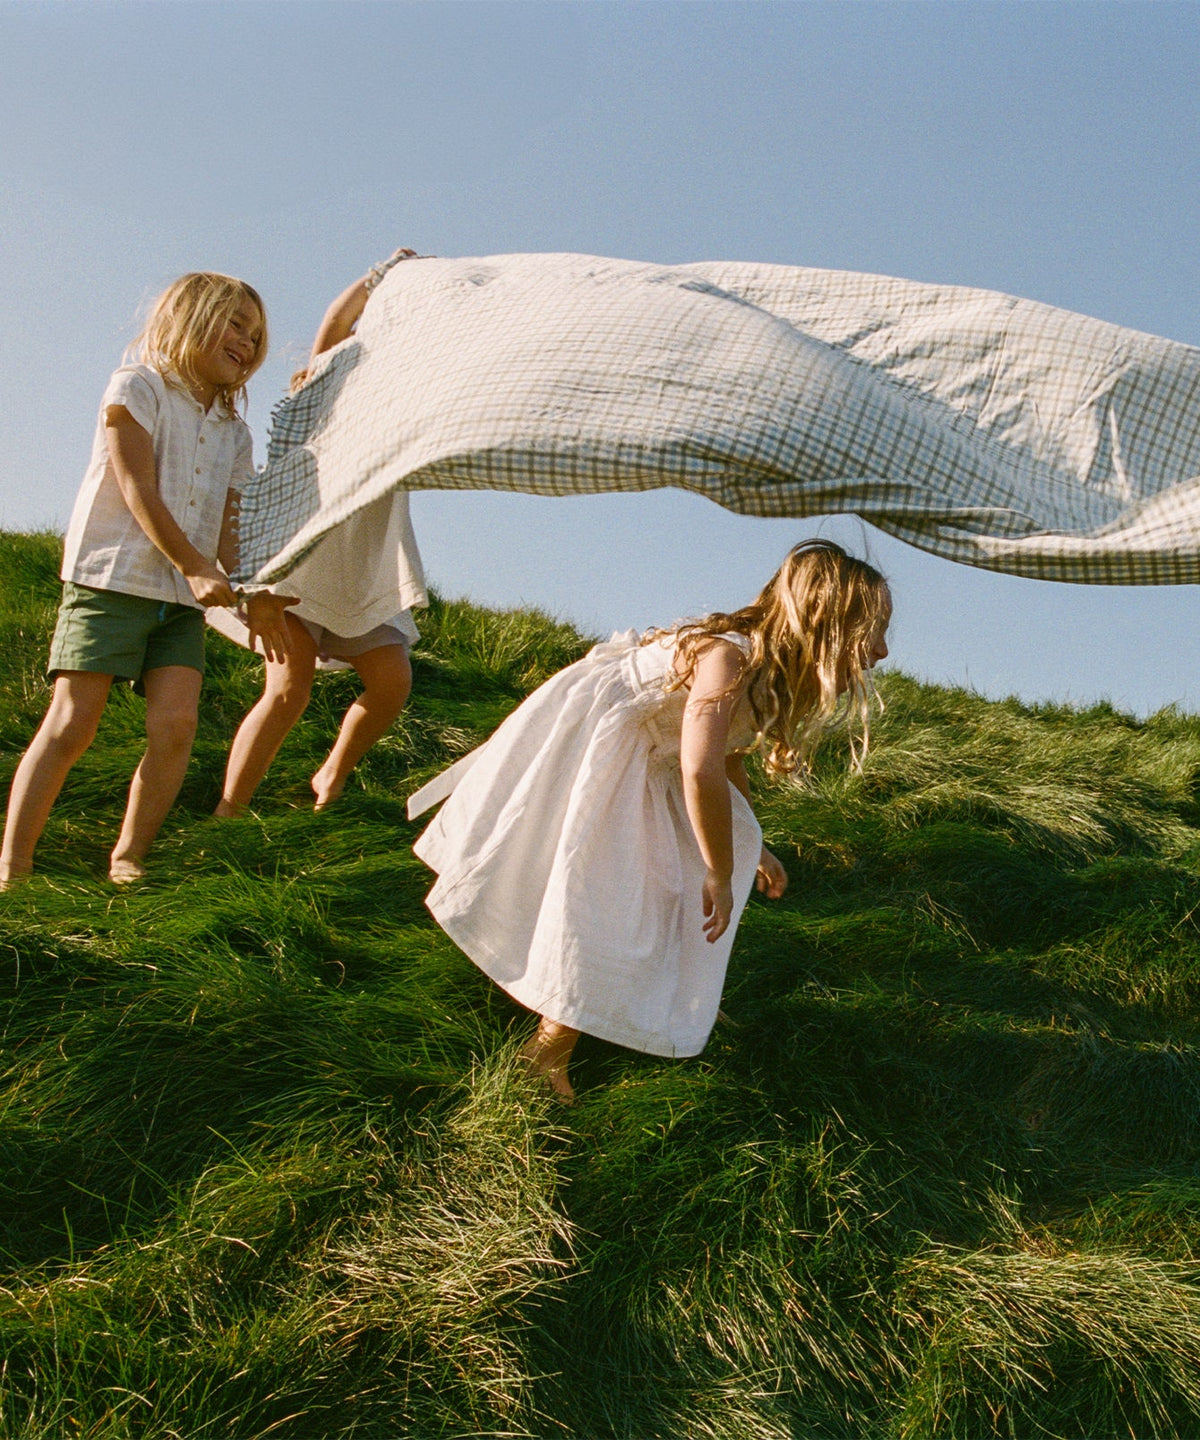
[(132, 389)]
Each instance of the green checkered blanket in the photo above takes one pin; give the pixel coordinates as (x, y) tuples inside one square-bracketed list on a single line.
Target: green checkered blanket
[(991, 430)]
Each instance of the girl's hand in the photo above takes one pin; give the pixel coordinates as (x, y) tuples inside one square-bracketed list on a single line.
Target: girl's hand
[(266, 619), (209, 586), (717, 900), (771, 878)]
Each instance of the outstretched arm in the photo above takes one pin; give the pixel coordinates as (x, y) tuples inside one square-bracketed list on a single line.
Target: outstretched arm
[(340, 318), (342, 315)]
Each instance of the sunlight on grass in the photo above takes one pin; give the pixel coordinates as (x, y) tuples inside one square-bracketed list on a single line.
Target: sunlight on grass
[(268, 1166)]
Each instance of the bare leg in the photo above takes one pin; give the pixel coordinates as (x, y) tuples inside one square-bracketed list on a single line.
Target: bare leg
[(387, 679), (283, 701), (172, 703), (549, 1053), (67, 730)]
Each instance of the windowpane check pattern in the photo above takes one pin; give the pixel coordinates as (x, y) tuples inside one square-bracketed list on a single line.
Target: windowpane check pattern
[(991, 430)]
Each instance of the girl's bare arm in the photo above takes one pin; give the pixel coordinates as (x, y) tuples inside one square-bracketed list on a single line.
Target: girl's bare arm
[(717, 684), (339, 319), (342, 315), (131, 451), (771, 878)]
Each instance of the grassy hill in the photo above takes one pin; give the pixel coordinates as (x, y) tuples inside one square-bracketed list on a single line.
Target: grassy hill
[(267, 1166)]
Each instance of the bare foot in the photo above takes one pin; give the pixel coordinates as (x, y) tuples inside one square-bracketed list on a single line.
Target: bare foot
[(548, 1053), (126, 872), (13, 875), (227, 810), (327, 789)]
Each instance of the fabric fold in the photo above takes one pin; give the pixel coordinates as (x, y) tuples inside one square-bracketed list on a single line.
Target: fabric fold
[(985, 428)]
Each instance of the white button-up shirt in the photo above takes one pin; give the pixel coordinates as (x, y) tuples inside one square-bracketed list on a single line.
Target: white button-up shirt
[(199, 457)]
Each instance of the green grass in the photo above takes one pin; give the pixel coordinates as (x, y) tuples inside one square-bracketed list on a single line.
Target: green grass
[(268, 1168)]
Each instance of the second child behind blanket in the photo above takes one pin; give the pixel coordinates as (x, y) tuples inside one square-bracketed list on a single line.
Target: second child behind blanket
[(375, 549)]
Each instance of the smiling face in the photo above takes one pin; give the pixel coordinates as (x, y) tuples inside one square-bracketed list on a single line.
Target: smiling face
[(227, 359), (208, 333)]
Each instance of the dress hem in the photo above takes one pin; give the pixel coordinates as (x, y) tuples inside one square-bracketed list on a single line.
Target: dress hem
[(480, 956)]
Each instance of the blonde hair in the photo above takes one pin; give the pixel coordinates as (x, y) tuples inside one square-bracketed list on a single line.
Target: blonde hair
[(186, 318), (810, 631)]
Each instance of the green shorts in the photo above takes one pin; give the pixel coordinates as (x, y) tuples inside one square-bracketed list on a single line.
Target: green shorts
[(113, 633)]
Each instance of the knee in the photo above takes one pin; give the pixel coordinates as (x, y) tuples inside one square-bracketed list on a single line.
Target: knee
[(70, 729), (290, 700), (172, 727), (386, 688), (288, 692), (386, 700)]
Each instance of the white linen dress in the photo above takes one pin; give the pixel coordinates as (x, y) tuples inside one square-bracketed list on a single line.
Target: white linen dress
[(567, 867), (365, 573)]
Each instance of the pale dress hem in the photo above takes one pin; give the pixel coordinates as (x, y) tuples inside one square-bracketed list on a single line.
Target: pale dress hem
[(494, 963), (584, 1021)]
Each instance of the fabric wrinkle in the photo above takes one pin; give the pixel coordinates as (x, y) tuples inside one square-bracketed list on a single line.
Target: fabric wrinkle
[(973, 424)]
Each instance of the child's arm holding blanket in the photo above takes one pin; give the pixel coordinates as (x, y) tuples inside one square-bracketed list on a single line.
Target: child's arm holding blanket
[(131, 449)]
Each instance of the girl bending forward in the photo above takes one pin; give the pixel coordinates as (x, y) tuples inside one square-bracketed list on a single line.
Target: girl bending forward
[(595, 855)]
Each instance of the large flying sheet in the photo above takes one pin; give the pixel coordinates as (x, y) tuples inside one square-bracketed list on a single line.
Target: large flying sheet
[(991, 430)]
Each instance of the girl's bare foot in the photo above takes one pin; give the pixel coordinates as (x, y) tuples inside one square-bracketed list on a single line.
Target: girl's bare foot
[(548, 1055), (126, 872), (327, 788), (228, 810), (13, 875)]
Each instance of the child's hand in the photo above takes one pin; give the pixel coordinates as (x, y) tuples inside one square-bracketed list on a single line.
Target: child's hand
[(210, 586), (717, 900), (267, 622), (772, 877)]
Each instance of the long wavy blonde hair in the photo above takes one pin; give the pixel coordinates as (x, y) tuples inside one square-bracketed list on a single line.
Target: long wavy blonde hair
[(184, 321), (811, 634)]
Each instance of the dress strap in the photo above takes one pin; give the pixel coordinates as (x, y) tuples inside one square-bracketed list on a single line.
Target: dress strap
[(442, 785)]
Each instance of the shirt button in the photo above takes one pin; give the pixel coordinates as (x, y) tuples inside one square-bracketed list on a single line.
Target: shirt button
[(197, 469), (202, 439)]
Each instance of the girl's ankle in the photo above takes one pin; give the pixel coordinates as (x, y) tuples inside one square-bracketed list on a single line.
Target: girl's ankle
[(326, 789), (126, 870), (548, 1053)]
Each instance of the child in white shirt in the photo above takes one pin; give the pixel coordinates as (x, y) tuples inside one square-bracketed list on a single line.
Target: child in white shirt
[(155, 514)]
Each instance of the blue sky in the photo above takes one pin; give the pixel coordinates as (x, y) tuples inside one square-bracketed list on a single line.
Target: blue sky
[(1047, 149)]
